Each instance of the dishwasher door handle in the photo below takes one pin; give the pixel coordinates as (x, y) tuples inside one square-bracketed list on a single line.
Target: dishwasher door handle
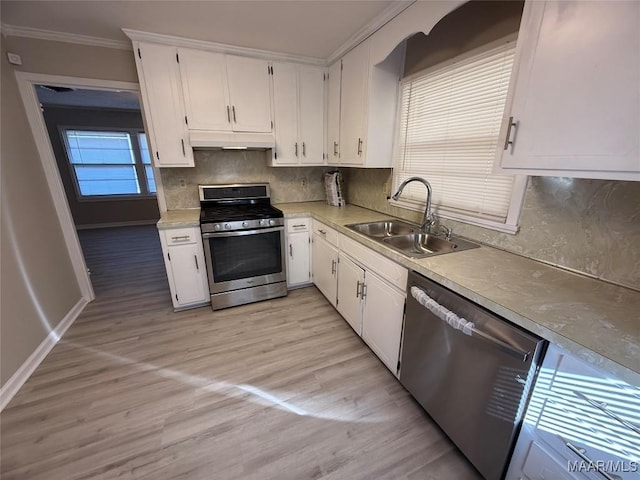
[(465, 326)]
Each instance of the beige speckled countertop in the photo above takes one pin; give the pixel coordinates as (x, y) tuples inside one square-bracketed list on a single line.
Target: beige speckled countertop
[(594, 320), (188, 217)]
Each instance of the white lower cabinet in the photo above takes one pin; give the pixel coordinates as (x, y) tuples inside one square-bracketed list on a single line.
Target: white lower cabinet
[(325, 267), (581, 423), (351, 278), (186, 271), (366, 288), (373, 308), (298, 252)]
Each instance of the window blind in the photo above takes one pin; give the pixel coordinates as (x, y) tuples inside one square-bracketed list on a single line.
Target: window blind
[(449, 123)]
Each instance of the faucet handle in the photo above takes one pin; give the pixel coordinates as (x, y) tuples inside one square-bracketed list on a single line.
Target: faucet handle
[(446, 231)]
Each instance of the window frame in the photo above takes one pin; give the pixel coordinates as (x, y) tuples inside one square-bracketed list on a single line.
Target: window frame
[(520, 182), (138, 164)]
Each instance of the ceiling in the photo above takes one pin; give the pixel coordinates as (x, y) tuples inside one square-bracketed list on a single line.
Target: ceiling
[(79, 97), (312, 28)]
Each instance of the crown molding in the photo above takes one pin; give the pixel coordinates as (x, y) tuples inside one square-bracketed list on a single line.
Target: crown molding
[(388, 14), (37, 33), (138, 36)]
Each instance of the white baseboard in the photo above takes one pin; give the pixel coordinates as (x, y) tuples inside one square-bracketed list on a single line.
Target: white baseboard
[(11, 387), (116, 224)]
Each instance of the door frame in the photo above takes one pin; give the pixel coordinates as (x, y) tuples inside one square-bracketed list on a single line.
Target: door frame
[(27, 86)]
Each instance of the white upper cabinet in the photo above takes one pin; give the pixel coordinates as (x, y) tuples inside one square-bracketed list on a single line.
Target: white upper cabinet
[(204, 83), (249, 94), (574, 99), (298, 106), (355, 69), (225, 92), (333, 113), (163, 105), (311, 99), (362, 109)]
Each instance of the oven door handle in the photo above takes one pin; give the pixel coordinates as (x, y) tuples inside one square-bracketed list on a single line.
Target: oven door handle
[(236, 233)]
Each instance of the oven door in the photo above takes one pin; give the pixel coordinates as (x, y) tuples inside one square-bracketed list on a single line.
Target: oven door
[(244, 259)]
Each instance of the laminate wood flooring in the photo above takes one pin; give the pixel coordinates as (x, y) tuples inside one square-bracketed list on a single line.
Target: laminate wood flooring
[(280, 389)]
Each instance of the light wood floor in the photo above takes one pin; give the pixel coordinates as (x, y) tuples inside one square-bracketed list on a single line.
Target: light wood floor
[(280, 389)]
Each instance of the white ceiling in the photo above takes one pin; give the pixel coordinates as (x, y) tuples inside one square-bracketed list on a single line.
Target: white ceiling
[(312, 28)]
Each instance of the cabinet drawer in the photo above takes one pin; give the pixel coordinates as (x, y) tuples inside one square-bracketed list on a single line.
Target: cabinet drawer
[(389, 270), (328, 233), (543, 465), (181, 236), (298, 225)]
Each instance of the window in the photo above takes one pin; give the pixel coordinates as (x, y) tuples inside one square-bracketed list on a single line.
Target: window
[(109, 163), (450, 118)]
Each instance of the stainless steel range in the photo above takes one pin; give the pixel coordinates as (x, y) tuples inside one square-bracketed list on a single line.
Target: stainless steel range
[(244, 246)]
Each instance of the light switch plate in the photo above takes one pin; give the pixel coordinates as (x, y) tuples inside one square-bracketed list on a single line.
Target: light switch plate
[(14, 58)]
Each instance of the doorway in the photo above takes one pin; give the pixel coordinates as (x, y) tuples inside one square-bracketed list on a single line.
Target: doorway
[(28, 86)]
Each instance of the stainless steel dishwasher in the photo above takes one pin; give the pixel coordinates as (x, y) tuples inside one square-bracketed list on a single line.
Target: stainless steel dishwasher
[(469, 369)]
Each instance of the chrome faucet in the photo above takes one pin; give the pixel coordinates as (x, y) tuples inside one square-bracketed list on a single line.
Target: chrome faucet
[(428, 219)]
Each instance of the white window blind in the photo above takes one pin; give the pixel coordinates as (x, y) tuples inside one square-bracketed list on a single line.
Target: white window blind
[(449, 123)]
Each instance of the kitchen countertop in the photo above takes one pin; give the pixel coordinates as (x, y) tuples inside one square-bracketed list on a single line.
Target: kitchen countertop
[(592, 319), (188, 217)]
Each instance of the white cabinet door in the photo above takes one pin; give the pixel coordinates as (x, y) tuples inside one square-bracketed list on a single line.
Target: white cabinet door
[(163, 105), (382, 320), (574, 95), (325, 268), (186, 269), (185, 265), (311, 117), (204, 83), (353, 97), (249, 93), (298, 259), (333, 113), (350, 282), (285, 113)]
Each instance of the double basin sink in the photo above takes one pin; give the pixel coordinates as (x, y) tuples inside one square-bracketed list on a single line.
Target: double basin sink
[(407, 238)]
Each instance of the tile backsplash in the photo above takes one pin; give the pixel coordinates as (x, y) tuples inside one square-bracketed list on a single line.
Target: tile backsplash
[(288, 184), (592, 226)]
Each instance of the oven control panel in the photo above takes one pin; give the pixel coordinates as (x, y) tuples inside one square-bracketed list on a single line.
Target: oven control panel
[(241, 225)]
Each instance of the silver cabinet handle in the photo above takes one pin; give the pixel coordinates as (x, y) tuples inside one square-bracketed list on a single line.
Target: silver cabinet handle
[(290, 250), (323, 232), (333, 267), (296, 148), (335, 149), (363, 290), (233, 109), (359, 146), (181, 238), (357, 288), (228, 114), (582, 453), (603, 407), (299, 225), (508, 141), (304, 150), (183, 151), (196, 259)]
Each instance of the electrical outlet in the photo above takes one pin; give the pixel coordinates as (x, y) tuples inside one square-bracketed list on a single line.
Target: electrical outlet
[(182, 182), (303, 183)]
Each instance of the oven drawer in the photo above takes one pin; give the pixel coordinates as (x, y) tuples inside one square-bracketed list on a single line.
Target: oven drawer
[(298, 225), (328, 233), (181, 236)]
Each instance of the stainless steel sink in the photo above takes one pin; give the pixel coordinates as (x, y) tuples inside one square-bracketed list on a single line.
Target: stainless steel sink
[(407, 239), (387, 228)]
